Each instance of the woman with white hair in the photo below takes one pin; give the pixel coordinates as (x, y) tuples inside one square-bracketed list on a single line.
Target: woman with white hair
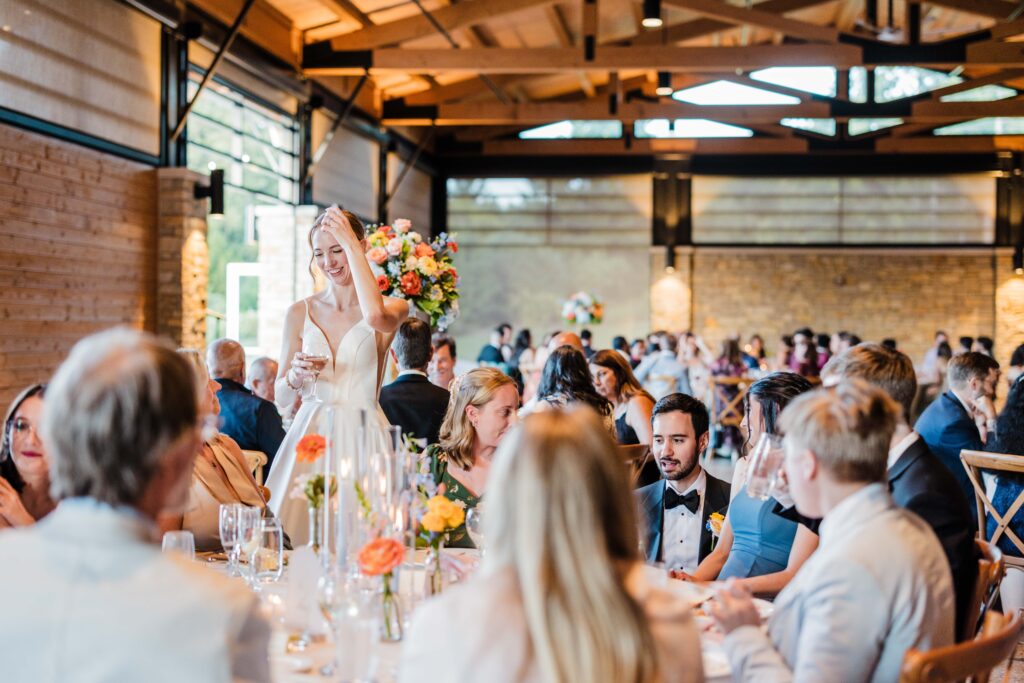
[(561, 596), (220, 475)]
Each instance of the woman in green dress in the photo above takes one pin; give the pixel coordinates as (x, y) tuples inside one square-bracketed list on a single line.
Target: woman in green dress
[(482, 408)]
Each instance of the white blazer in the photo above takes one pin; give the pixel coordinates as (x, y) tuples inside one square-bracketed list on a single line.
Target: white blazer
[(87, 597), (878, 585)]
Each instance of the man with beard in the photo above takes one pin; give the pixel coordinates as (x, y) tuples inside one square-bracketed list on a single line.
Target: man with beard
[(676, 509)]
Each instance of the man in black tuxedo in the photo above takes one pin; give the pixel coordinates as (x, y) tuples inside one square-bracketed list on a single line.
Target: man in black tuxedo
[(918, 480), (412, 401), (676, 509)]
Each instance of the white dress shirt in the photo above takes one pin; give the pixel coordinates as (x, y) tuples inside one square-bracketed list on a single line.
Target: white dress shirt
[(87, 597), (878, 585), (680, 540)]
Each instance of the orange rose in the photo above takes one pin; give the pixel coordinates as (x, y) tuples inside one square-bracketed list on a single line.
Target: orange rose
[(411, 284), (310, 448), (423, 249), (383, 283), (380, 556), (378, 255)]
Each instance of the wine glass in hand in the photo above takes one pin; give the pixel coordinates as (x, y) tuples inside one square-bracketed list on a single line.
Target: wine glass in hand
[(317, 362)]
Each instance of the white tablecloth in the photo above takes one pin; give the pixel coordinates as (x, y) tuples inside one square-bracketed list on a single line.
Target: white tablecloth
[(291, 666)]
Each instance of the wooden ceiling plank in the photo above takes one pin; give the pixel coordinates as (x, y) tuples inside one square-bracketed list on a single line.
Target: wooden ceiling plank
[(698, 28), (418, 26), (343, 8), (558, 24), (993, 9), (715, 9)]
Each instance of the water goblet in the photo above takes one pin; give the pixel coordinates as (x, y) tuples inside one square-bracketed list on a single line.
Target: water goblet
[(475, 527), (267, 562), (181, 543), (765, 465)]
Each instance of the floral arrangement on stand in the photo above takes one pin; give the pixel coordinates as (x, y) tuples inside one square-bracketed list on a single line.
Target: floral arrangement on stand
[(582, 308), (408, 267), (310, 486), (442, 516), (381, 557)]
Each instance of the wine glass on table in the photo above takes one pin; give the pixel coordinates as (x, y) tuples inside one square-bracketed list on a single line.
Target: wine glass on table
[(248, 534), (228, 527), (475, 527)]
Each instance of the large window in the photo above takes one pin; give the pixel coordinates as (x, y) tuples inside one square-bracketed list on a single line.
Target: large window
[(257, 147), (956, 209)]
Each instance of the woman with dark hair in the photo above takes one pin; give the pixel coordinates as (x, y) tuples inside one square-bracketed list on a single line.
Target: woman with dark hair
[(1009, 439), (566, 379), (760, 549), (804, 359), (631, 404), (24, 467), (521, 364), (728, 364), (1016, 368)]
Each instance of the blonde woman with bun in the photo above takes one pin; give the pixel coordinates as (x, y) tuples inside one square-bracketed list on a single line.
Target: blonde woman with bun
[(562, 595), (483, 406)]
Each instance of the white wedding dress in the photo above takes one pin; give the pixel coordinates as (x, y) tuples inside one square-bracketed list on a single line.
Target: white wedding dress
[(350, 384)]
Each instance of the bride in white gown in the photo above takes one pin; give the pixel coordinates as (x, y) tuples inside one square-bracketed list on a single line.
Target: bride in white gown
[(351, 325)]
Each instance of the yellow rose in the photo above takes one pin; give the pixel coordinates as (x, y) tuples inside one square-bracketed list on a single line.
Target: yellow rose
[(427, 265), (441, 506), (433, 522), (457, 517)]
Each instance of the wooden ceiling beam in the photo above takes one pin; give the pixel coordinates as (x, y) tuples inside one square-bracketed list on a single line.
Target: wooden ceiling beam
[(993, 9), (715, 9), (343, 8), (418, 26), (549, 60), (698, 28), (996, 53)]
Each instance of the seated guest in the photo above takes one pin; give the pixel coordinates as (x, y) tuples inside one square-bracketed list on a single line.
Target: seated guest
[(929, 370), (220, 474), (637, 352), (1016, 368), (951, 423), (262, 373), (631, 404), (442, 362), (822, 343), (1009, 439), (754, 354), (784, 354), (620, 344), (411, 401), (586, 336), (983, 345), (565, 339), (675, 527), (662, 373), (86, 593), (253, 422), (761, 549), (729, 364), (483, 407), (562, 595), (805, 360), (877, 585), (24, 467), (491, 355), (918, 481), (966, 345), (566, 379)]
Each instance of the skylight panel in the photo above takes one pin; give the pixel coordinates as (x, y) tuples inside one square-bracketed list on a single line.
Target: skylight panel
[(688, 128), (993, 125), (862, 126), (819, 126), (819, 80), (729, 92), (984, 93), (574, 129)]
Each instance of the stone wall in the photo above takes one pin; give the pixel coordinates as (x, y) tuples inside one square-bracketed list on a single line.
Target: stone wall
[(182, 258), (876, 293)]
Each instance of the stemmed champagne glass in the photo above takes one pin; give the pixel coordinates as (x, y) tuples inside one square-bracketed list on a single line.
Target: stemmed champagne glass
[(475, 527), (319, 361), (237, 526)]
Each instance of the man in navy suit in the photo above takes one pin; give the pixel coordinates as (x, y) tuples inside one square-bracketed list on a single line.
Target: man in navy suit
[(253, 422), (960, 418), (918, 481), (412, 401), (676, 509)]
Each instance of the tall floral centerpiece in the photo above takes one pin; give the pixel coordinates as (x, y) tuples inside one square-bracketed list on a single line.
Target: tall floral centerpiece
[(409, 267), (311, 486), (442, 515), (582, 308)]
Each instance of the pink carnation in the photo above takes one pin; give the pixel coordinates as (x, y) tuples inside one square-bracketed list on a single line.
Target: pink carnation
[(395, 246), (402, 225)]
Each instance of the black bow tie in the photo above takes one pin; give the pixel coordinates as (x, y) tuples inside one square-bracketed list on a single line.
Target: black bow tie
[(672, 499)]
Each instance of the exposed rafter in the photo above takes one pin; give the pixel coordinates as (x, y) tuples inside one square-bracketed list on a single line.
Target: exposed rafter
[(716, 9), (994, 9)]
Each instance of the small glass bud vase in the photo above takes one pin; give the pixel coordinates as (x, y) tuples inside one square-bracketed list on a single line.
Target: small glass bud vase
[(314, 529), (391, 608), (434, 581)]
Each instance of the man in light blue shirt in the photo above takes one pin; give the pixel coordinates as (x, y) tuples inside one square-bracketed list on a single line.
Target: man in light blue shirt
[(878, 584)]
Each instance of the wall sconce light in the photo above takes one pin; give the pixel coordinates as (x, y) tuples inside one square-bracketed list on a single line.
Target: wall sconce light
[(215, 191), (670, 258), (652, 14), (1018, 259), (664, 84)]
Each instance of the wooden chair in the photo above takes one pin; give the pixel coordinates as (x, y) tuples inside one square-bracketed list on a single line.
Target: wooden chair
[(256, 460), (975, 462), (973, 660), (726, 410), (990, 574)]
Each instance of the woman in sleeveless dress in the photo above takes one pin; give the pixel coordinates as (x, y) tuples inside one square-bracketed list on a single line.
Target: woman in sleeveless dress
[(333, 354)]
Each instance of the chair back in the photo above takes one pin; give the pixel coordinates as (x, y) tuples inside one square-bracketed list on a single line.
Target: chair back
[(976, 462), (991, 569), (726, 401), (255, 461), (972, 660)]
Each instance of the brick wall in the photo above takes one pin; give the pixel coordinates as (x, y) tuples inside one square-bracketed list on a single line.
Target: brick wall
[(77, 251), (905, 294), (183, 263)]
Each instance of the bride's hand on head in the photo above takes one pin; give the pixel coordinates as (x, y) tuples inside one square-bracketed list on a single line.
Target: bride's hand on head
[(336, 224)]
